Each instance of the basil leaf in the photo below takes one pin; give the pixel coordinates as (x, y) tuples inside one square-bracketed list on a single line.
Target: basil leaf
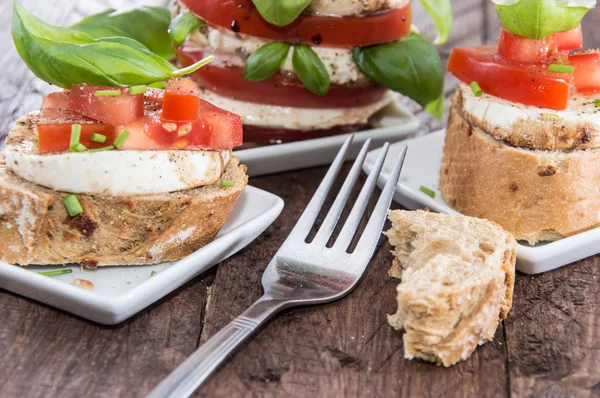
[(410, 66), (536, 19), (183, 24), (310, 69), (441, 13), (64, 56), (148, 25), (281, 12), (266, 61)]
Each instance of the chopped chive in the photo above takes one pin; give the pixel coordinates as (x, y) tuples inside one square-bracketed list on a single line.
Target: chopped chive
[(36, 140), (99, 138), (427, 191), (476, 89), (153, 273), (558, 68), (107, 93), (227, 183), (160, 85), (121, 139), (597, 102), (559, 61), (79, 148), (73, 206), (75, 136), (103, 149), (55, 273), (551, 116), (135, 90)]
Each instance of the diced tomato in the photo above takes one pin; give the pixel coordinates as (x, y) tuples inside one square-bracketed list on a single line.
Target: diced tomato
[(55, 135), (587, 71), (529, 84), (569, 40), (523, 50), (222, 129), (54, 104), (241, 16), (181, 100), (115, 110)]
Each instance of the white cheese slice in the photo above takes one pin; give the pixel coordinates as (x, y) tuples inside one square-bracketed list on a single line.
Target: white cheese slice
[(352, 7), (119, 173), (272, 116)]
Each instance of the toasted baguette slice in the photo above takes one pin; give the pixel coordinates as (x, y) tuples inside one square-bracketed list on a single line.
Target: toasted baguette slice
[(36, 229), (535, 195), (457, 282)]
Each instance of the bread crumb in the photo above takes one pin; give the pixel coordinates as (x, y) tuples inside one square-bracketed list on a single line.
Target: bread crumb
[(84, 284)]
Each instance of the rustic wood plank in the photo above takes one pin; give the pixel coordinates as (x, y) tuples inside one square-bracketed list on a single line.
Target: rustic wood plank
[(345, 348)]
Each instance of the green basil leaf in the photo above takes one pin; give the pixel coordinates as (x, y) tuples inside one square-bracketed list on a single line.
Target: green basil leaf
[(64, 56), (281, 12), (148, 25), (536, 19), (441, 13), (410, 66), (183, 24), (266, 61), (310, 69)]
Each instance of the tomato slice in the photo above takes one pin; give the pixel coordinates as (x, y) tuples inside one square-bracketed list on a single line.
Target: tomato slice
[(54, 105), (521, 49), (529, 84), (181, 100), (54, 135), (587, 71), (242, 17), (122, 109), (569, 40), (268, 136), (276, 90)]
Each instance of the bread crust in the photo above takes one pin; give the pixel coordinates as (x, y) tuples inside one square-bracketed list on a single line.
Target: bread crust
[(540, 134), (36, 229), (535, 195)]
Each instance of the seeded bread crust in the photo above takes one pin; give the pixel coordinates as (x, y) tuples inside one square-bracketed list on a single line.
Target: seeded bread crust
[(535, 195), (457, 283), (36, 229)]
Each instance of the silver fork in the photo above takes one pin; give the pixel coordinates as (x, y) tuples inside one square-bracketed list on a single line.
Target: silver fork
[(301, 273)]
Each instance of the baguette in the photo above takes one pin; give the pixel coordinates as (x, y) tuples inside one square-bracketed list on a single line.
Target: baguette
[(36, 229), (535, 195), (457, 282)]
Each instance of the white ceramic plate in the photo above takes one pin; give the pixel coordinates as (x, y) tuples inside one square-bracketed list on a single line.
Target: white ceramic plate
[(120, 292), (394, 123), (421, 168)]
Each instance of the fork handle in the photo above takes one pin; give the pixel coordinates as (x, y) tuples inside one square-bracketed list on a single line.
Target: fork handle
[(194, 371)]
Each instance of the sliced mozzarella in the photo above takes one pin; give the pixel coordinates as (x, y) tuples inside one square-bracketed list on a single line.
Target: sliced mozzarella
[(118, 173), (233, 49), (351, 7), (272, 116), (497, 113)]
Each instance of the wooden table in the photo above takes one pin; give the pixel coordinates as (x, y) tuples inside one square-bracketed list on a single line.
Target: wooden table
[(548, 346)]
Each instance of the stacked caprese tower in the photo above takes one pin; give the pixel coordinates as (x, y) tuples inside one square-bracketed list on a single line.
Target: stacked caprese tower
[(304, 69)]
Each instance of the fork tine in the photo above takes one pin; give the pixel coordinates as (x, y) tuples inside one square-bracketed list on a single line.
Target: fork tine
[(335, 212), (372, 232), (310, 214), (351, 225)]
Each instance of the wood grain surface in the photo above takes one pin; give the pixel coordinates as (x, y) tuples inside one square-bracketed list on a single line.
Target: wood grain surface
[(548, 346)]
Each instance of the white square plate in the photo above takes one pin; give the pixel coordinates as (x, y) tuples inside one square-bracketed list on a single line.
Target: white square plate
[(394, 123), (120, 292), (421, 168)]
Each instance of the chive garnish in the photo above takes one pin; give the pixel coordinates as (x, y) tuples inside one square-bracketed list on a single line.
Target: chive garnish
[(75, 136), (427, 191), (107, 93), (135, 90), (121, 139), (559, 68), (103, 149), (227, 183), (160, 85), (99, 138), (476, 89), (73, 206), (55, 273), (597, 102), (551, 116), (153, 273), (79, 148)]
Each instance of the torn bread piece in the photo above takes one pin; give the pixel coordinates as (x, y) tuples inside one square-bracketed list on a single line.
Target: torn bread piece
[(457, 282)]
